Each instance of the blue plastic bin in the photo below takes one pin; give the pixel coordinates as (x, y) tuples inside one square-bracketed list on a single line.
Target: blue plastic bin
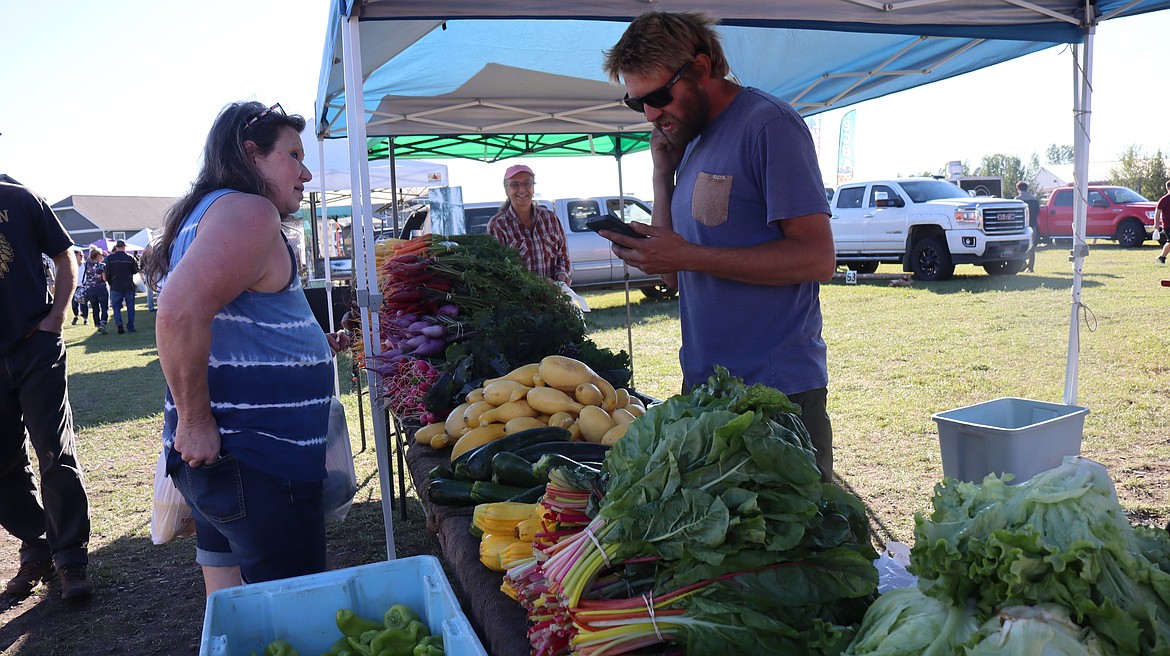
[(302, 610), (1008, 435)]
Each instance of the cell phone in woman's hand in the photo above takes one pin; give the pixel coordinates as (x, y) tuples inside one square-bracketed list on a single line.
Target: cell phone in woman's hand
[(614, 224)]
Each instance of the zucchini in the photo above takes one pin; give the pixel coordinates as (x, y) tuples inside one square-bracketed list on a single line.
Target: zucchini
[(479, 463), (448, 492), (531, 495), (510, 469), (550, 461), (439, 471), (461, 471), (488, 492), (579, 451)]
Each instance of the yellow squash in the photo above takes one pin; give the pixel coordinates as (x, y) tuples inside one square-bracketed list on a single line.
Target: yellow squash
[(551, 400), (476, 437)]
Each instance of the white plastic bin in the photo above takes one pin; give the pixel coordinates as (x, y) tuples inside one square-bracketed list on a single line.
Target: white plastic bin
[(302, 610), (1008, 435)]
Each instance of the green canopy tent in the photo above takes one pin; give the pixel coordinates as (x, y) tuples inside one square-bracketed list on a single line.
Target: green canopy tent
[(494, 147)]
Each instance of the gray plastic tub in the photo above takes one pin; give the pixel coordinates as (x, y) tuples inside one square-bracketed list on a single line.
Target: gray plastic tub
[(1008, 435)]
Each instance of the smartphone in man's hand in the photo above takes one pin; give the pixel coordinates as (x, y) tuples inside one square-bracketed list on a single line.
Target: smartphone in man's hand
[(614, 224)]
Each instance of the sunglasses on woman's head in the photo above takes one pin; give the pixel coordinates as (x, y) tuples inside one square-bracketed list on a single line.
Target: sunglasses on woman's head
[(657, 98), (277, 108)]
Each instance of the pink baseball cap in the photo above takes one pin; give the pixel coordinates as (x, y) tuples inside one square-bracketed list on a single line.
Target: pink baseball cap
[(517, 168)]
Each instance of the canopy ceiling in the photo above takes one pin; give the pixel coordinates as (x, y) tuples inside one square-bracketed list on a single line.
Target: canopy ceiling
[(469, 68)]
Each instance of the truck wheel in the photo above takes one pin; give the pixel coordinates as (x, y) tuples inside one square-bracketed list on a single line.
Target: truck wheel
[(930, 259), (659, 292), (864, 267), (1131, 233), (1004, 267)]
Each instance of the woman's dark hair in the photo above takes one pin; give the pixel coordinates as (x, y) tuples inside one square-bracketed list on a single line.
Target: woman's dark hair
[(226, 165)]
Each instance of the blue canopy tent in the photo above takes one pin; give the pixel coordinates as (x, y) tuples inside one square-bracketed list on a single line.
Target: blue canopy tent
[(467, 67)]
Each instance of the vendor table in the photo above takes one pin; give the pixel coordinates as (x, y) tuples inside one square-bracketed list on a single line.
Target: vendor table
[(500, 622)]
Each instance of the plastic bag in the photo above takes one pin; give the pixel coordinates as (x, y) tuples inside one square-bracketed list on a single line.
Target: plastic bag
[(577, 299), (170, 516), (340, 477), (891, 566)]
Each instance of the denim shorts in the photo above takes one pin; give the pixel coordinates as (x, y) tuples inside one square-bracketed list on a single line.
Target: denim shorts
[(271, 527)]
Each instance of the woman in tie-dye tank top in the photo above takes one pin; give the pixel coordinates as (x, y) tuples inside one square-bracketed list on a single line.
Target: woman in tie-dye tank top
[(248, 369)]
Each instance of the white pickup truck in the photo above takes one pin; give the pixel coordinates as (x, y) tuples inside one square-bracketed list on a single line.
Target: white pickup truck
[(928, 226), (593, 263)]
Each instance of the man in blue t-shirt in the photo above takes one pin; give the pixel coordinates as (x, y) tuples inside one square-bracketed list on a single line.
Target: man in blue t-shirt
[(740, 220), (34, 402)]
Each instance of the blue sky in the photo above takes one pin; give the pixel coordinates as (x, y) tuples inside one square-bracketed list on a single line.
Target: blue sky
[(116, 99)]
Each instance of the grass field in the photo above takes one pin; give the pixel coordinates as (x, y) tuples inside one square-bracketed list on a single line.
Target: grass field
[(896, 356)]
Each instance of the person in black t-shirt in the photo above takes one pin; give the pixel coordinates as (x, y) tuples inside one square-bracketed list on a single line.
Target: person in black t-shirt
[(34, 398), (120, 270)]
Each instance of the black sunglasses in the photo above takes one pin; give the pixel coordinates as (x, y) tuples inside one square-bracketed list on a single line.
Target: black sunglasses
[(659, 97), (277, 108)]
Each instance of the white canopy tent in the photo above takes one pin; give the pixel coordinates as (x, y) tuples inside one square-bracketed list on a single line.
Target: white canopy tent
[(472, 68), (328, 161)]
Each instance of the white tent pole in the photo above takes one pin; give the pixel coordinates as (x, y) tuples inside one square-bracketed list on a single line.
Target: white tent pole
[(325, 252), (368, 296), (1082, 113)]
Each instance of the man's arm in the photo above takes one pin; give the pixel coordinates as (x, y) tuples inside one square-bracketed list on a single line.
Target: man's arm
[(232, 252), (63, 286), (806, 254), (666, 161)]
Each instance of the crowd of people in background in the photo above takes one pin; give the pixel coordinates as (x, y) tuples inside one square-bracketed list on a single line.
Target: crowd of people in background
[(106, 281)]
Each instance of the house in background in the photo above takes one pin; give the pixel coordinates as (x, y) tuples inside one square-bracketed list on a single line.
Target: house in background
[(1051, 176), (132, 218)]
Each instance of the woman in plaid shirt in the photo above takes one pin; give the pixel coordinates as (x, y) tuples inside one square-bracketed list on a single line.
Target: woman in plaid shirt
[(531, 229)]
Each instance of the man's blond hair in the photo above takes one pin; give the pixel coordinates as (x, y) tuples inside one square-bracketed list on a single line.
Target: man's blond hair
[(658, 41)]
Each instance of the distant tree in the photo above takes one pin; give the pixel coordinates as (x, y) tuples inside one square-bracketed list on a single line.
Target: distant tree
[(1032, 171), (1157, 175), (1009, 168), (1059, 154), (1144, 174)]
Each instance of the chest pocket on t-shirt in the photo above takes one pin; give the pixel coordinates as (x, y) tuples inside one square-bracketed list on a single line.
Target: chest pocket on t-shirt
[(711, 199)]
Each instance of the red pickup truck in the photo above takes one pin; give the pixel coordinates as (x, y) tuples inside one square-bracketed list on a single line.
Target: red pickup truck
[(1113, 213)]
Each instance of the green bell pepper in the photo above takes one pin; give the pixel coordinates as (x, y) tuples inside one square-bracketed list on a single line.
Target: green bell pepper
[(431, 645), (280, 648), (339, 648), (399, 641), (362, 644), (353, 626), (399, 615)]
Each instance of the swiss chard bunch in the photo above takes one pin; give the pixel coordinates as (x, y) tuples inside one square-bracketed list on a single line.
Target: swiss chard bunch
[(713, 501)]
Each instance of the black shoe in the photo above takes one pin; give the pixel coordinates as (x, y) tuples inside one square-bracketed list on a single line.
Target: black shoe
[(131, 330), (74, 321), (1161, 260), (75, 585), (28, 577), (121, 330)]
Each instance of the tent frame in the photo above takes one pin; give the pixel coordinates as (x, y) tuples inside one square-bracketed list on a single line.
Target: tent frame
[(902, 15)]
